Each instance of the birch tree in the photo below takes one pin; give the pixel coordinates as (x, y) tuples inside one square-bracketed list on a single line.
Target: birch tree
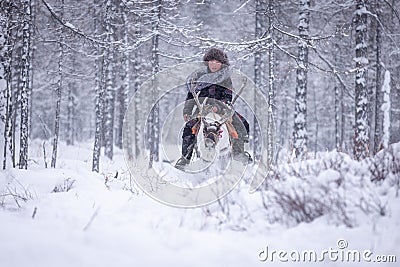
[(58, 91), (71, 111), (24, 83), (386, 110), (339, 105), (100, 94), (361, 138), (124, 88), (154, 117), (378, 82), (5, 73), (259, 68), (137, 82), (109, 71), (271, 81), (300, 112)]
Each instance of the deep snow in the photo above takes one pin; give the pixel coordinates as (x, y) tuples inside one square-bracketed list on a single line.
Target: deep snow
[(107, 221)]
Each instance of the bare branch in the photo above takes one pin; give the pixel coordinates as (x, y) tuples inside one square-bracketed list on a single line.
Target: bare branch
[(334, 71), (393, 9), (304, 38), (69, 25)]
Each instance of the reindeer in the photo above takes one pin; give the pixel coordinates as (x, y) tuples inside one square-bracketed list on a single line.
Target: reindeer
[(212, 127)]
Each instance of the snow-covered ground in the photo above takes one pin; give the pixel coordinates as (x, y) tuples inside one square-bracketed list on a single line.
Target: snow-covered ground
[(70, 216)]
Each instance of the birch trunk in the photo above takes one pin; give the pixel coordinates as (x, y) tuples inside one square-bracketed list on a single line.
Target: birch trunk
[(361, 138), (58, 92), (300, 113), (24, 85)]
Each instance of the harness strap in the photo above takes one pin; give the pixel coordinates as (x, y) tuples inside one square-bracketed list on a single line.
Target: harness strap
[(232, 131)]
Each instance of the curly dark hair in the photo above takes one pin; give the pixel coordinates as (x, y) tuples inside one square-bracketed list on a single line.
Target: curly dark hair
[(216, 54)]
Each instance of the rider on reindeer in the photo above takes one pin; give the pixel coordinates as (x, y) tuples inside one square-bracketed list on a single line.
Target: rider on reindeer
[(214, 84)]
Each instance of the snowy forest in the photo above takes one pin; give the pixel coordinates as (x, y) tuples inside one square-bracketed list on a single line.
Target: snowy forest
[(69, 69)]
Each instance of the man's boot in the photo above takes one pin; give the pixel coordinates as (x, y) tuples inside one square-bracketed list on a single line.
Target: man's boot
[(181, 163), (187, 151)]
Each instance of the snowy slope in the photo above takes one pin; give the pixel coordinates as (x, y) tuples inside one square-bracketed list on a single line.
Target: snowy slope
[(70, 216)]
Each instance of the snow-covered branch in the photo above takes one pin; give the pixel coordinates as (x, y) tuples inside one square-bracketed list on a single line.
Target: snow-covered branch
[(69, 25)]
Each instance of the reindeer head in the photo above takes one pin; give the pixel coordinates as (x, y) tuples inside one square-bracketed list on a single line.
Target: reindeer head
[(212, 132), (212, 125)]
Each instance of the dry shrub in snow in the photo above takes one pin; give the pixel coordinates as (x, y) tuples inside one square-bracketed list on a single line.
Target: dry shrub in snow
[(13, 195), (386, 165), (65, 186), (335, 186)]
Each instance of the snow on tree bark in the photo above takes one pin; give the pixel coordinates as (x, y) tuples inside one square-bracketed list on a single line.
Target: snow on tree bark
[(378, 117), (24, 84), (99, 105), (259, 71), (300, 112), (71, 110), (15, 104), (137, 69), (70, 132), (361, 138), (5, 74), (386, 110), (123, 94), (110, 81), (154, 117), (34, 8), (58, 92), (339, 105), (271, 82)]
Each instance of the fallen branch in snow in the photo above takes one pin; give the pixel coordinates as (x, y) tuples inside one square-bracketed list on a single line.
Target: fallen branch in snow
[(94, 215), (34, 213)]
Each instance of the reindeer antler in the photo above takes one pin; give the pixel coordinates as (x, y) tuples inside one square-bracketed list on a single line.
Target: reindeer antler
[(244, 80), (196, 97), (228, 115)]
